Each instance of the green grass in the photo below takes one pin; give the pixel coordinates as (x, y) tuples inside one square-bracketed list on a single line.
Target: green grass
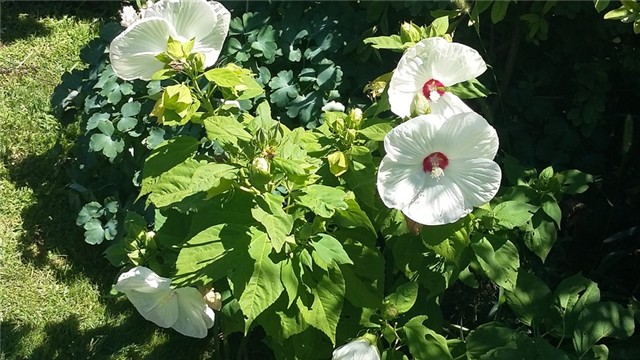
[(54, 293)]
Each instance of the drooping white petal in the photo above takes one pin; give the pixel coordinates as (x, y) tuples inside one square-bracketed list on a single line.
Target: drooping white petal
[(207, 22), (161, 308), (407, 81), (439, 202), (356, 350), (478, 179), (452, 63), (193, 319), (141, 279), (398, 183), (449, 104), (411, 141), (467, 135), (133, 52)]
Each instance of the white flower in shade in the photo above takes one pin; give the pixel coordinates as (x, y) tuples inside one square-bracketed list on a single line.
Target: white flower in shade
[(333, 106), (133, 52), (437, 169), (359, 349), (183, 309), (420, 81), (128, 16)]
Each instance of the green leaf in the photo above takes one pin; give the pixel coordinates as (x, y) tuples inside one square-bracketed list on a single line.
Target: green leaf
[(109, 147), (289, 281), (275, 220), (127, 123), (617, 14), (226, 130), (353, 216), (470, 89), (403, 298), (329, 249), (449, 241), (376, 131), (283, 91), (337, 163), (167, 155), (499, 261), (186, 179), (530, 299), (512, 214), (423, 342), (94, 233), (263, 287), (575, 181), (89, 211), (96, 119), (488, 337), (225, 77), (570, 298), (551, 208), (212, 254), (541, 237), (324, 312), (599, 320), (499, 10), (323, 200), (293, 169), (392, 42), (130, 109)]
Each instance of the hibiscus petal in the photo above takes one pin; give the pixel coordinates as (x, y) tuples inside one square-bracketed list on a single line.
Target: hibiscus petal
[(439, 202), (452, 63), (467, 135), (132, 53), (207, 22), (410, 142), (448, 105), (398, 184), (141, 279), (477, 179), (160, 308), (412, 72), (193, 320)]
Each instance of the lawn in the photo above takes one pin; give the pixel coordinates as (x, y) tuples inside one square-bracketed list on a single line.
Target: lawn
[(54, 297)]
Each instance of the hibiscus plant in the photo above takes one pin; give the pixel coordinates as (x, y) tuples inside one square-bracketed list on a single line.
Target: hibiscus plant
[(343, 239)]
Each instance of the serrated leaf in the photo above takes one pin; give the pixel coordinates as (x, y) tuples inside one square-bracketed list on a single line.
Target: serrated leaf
[(530, 299), (599, 320), (423, 342), (324, 312), (323, 200), (392, 42), (512, 214), (226, 130), (275, 220), (471, 89), (263, 287), (329, 249), (403, 298), (501, 265)]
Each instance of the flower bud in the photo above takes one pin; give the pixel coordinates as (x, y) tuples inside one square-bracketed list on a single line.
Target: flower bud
[(354, 120), (410, 32)]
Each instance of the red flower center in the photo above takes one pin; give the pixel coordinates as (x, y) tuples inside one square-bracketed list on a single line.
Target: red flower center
[(430, 86), (434, 163)]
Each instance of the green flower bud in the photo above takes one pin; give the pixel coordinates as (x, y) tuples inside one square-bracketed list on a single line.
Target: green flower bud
[(409, 32), (420, 105)]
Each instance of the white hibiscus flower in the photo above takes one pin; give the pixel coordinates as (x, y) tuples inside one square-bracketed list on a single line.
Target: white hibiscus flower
[(359, 349), (437, 169), (420, 81), (183, 309), (133, 52)]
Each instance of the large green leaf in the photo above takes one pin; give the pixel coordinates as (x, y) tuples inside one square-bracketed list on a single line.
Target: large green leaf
[(512, 214), (275, 220), (599, 320), (324, 312), (423, 342), (403, 298), (189, 178), (258, 286), (530, 299), (323, 200), (542, 235), (488, 337), (329, 249), (212, 254), (226, 130), (166, 156), (499, 259)]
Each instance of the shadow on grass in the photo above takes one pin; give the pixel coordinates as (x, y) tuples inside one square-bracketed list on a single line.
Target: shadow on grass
[(20, 19), (50, 229), (131, 339)]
